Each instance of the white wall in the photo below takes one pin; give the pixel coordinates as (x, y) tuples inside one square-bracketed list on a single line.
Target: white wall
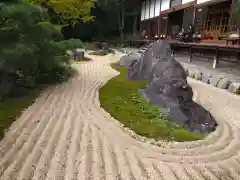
[(186, 1), (147, 9), (157, 8), (203, 1), (152, 8), (165, 5), (143, 10)]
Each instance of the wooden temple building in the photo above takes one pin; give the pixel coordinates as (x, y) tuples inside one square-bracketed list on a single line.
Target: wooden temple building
[(212, 20), (215, 23)]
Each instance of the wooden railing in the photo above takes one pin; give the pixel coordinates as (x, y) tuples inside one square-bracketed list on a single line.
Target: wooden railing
[(214, 52)]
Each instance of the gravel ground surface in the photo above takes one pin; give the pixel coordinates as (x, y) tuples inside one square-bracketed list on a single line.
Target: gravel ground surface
[(65, 135)]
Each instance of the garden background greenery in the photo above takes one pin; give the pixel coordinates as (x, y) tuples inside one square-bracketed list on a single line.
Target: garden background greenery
[(33, 50)]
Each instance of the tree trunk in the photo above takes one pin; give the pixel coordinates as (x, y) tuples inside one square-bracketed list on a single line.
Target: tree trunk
[(135, 20), (121, 22)]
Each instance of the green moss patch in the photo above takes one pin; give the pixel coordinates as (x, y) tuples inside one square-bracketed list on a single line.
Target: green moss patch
[(122, 99), (12, 108)]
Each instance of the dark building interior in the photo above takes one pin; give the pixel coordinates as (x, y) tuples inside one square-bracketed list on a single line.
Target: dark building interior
[(175, 22)]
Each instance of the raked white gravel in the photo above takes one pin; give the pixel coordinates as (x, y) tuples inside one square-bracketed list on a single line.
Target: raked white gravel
[(65, 135)]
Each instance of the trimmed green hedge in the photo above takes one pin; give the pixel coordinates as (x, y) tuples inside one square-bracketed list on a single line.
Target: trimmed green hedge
[(70, 44)]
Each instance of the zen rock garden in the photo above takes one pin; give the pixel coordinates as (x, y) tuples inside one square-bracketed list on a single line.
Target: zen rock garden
[(167, 86), (98, 49)]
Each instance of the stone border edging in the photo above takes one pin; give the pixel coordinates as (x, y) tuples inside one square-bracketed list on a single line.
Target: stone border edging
[(214, 80)]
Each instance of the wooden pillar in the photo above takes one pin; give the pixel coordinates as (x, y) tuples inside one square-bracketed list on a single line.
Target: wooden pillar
[(148, 29), (230, 21), (190, 54), (158, 25), (194, 16), (167, 24), (159, 19), (140, 27), (135, 19), (216, 58), (163, 24)]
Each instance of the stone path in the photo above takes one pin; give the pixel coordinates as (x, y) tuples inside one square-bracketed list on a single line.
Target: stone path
[(65, 135)]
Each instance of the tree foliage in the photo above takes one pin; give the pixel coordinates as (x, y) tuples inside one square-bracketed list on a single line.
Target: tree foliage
[(52, 30), (68, 11), (238, 5), (70, 44), (30, 46)]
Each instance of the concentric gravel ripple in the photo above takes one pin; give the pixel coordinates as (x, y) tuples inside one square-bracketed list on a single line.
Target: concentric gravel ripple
[(66, 135)]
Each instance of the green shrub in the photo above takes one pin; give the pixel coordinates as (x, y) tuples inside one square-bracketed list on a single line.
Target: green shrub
[(70, 44), (31, 45), (12, 108)]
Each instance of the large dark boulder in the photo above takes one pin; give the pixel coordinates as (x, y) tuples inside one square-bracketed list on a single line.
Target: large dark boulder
[(168, 88)]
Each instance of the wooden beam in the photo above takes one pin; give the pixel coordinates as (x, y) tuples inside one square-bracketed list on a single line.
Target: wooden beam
[(131, 3), (210, 3)]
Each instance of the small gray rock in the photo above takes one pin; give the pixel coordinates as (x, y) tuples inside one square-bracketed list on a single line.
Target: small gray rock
[(141, 51), (186, 71), (223, 83), (234, 88), (206, 78), (128, 59), (215, 80), (104, 46), (79, 55), (198, 75), (191, 73)]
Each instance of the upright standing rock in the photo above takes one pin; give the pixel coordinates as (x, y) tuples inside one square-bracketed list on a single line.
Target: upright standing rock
[(168, 88)]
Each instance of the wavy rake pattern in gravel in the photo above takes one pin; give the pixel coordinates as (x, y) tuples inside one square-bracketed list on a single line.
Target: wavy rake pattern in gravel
[(225, 143), (66, 135)]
